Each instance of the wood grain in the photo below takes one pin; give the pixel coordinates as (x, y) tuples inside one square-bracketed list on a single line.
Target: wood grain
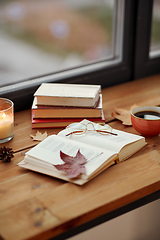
[(141, 92), (35, 206), (22, 131)]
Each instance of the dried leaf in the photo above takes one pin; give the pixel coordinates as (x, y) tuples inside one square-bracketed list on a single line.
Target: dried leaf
[(123, 115), (39, 136), (73, 166)]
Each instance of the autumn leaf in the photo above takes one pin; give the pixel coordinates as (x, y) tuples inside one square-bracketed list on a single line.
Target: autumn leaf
[(123, 115), (73, 166), (39, 136)]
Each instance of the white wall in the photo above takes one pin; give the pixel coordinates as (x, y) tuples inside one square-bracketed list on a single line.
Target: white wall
[(140, 224)]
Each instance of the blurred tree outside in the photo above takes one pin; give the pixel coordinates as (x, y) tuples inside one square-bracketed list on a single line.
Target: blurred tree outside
[(59, 28)]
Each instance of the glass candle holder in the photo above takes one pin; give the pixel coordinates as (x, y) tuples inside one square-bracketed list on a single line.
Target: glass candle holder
[(6, 120)]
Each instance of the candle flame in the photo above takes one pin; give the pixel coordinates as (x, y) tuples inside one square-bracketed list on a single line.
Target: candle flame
[(3, 115)]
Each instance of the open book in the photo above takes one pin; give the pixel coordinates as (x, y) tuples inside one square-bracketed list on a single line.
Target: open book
[(101, 151)]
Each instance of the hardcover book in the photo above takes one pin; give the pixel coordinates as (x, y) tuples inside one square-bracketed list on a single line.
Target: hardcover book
[(99, 151), (68, 94), (44, 111), (61, 122)]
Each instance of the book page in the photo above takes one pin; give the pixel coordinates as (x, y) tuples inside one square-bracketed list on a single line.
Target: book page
[(49, 151), (112, 142)]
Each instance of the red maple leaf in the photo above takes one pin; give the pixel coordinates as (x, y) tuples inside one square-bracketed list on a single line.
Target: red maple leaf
[(73, 166)]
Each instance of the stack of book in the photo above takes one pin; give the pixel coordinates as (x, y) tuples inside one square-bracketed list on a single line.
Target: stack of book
[(58, 105)]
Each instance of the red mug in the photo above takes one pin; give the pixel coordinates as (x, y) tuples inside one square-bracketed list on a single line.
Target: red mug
[(146, 120)]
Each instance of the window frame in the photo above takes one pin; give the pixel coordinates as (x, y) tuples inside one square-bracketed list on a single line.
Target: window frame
[(144, 65), (106, 75)]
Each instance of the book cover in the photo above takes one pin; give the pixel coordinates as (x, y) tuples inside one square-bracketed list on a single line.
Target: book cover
[(61, 122), (44, 111), (68, 94)]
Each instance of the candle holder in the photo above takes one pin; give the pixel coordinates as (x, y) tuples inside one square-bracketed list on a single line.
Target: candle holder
[(6, 120)]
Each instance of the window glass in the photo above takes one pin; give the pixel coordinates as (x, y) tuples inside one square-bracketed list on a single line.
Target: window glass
[(40, 37), (155, 32)]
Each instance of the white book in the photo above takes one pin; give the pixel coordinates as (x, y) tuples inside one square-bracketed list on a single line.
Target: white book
[(68, 94), (43, 111), (101, 151)]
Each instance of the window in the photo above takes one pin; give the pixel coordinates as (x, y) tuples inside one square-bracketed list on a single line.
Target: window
[(115, 43), (105, 20), (155, 30), (147, 58), (41, 37)]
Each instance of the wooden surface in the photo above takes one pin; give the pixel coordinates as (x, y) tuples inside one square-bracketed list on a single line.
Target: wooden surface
[(35, 206)]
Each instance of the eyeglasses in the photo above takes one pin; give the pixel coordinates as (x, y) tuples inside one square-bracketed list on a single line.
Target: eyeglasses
[(80, 128)]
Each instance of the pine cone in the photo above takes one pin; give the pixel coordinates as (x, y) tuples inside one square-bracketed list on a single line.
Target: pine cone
[(6, 154)]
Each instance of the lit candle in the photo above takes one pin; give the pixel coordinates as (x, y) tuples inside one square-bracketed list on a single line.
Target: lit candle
[(6, 126), (6, 120)]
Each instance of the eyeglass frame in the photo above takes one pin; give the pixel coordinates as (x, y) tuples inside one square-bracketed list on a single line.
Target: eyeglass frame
[(94, 129)]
